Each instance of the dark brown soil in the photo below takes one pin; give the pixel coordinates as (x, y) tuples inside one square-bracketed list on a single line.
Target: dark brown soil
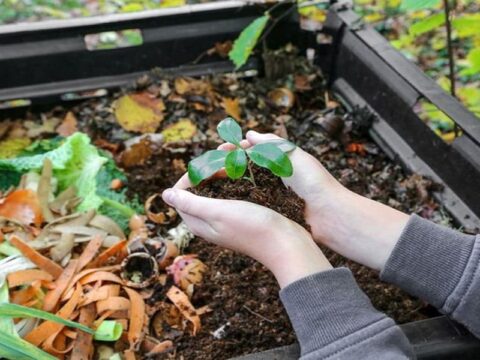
[(242, 293), (268, 191), (244, 297)]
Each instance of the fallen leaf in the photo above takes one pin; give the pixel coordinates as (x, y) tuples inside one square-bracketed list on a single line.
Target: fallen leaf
[(179, 165), (139, 112), (137, 154), (68, 126), (192, 86), (10, 148), (182, 130), (47, 126), (106, 145), (252, 123), (172, 3), (232, 107), (182, 86), (5, 127), (17, 130), (22, 205)]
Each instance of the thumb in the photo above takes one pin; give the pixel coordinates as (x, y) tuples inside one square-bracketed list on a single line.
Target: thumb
[(255, 138), (190, 204)]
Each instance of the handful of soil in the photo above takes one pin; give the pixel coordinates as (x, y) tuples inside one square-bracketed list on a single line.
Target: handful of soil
[(269, 191)]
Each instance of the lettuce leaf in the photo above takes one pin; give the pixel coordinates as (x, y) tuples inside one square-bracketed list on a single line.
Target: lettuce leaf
[(75, 162), (116, 204)]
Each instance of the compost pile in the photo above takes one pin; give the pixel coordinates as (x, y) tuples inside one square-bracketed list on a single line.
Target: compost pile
[(85, 236)]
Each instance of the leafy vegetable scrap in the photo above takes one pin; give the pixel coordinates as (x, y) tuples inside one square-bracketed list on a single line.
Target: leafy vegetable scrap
[(73, 277), (75, 163)]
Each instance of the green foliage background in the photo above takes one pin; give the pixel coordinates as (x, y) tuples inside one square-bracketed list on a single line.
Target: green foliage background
[(416, 28)]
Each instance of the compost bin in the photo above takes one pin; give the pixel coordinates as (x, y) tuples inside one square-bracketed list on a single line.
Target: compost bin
[(48, 64)]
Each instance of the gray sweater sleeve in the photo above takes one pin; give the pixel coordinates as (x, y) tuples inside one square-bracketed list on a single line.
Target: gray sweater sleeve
[(441, 266), (334, 319)]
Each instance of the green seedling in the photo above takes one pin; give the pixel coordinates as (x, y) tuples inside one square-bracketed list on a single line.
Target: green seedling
[(271, 155)]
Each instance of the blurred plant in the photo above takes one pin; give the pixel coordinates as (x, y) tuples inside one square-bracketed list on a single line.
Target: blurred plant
[(419, 28), (34, 10), (252, 34)]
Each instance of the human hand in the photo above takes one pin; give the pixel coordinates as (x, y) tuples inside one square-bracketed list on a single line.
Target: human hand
[(280, 244), (356, 227)]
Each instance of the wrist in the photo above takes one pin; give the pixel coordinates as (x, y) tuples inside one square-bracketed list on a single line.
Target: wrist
[(361, 229), (296, 257)]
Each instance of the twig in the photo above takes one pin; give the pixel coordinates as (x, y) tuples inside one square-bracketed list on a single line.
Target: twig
[(257, 314), (252, 178), (451, 58), (275, 20)]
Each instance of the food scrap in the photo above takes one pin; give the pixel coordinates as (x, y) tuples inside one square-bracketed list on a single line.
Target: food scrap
[(80, 281)]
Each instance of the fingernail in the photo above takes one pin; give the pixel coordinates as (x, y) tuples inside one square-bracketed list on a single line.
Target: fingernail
[(169, 196)]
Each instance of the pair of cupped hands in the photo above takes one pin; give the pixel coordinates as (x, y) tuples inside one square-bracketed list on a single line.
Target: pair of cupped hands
[(356, 227)]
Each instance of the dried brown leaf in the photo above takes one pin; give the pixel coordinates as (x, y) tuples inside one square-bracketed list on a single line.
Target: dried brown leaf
[(232, 107), (68, 125)]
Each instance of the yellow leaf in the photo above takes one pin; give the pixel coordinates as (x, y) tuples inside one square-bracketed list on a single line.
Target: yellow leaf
[(172, 3), (12, 147), (314, 13), (182, 130), (232, 107), (448, 137), (139, 112), (192, 86), (374, 17)]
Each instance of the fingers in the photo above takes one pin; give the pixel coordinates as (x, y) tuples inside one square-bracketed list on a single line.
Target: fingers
[(198, 226), (254, 137), (228, 147), (190, 204), (183, 183)]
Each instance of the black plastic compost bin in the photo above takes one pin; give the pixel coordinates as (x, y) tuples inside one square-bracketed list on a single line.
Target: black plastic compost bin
[(41, 62)]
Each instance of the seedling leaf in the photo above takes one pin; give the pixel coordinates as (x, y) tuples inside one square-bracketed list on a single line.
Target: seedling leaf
[(206, 165), (269, 156), (284, 145), (236, 164), (230, 131), (245, 43)]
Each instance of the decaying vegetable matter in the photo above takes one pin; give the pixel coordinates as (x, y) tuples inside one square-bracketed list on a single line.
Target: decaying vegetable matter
[(78, 282)]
